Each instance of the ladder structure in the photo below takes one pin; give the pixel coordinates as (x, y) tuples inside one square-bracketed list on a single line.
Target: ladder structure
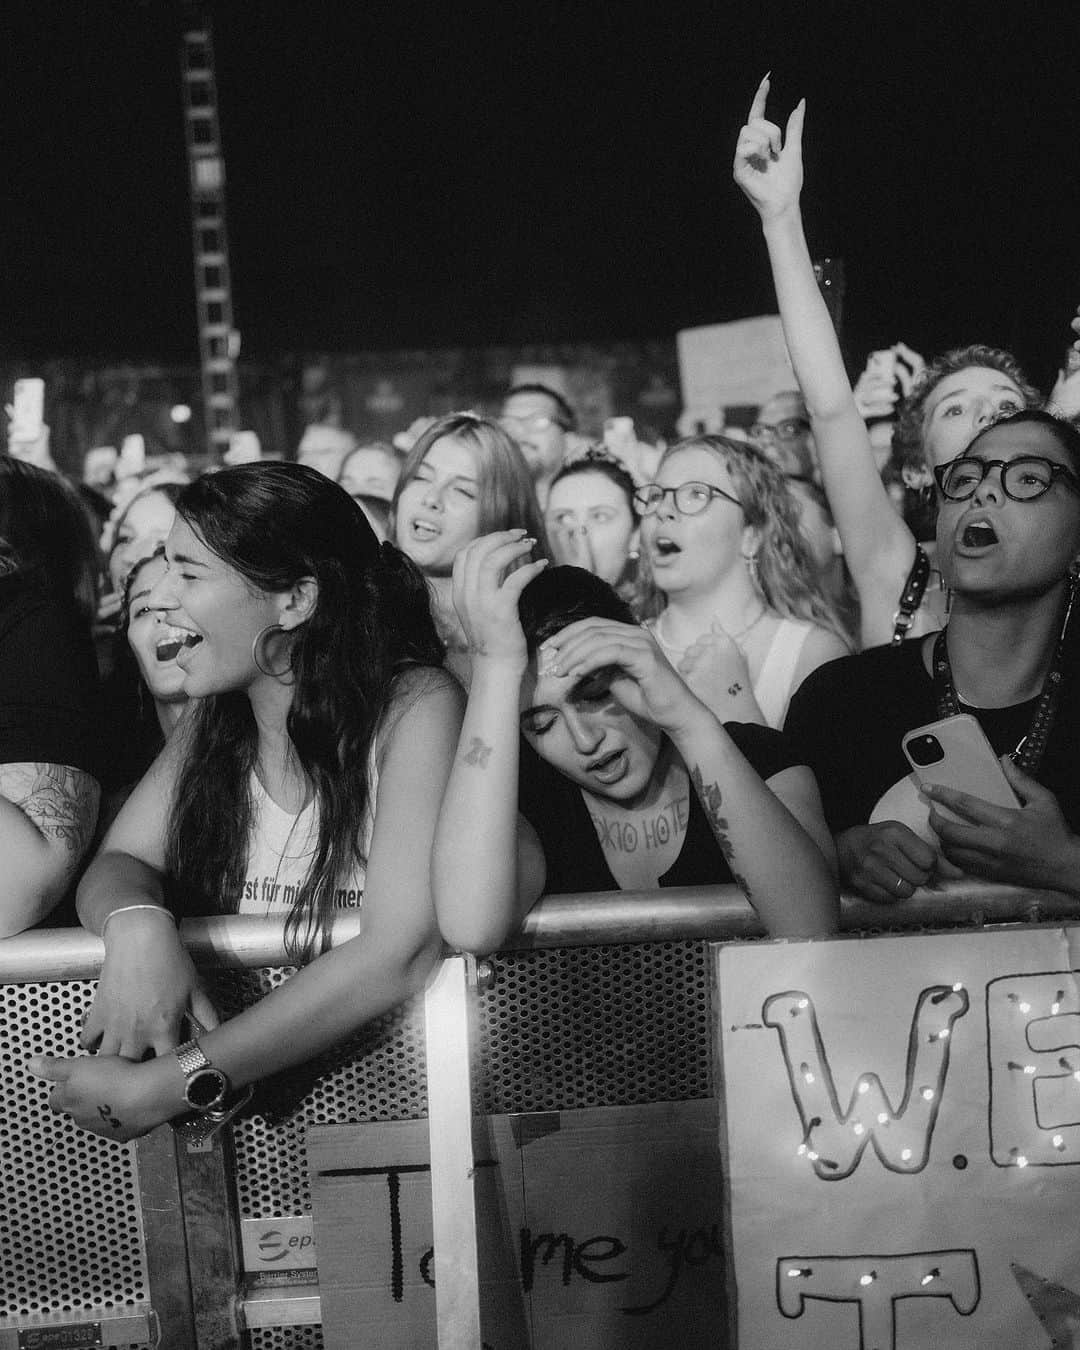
[(213, 290)]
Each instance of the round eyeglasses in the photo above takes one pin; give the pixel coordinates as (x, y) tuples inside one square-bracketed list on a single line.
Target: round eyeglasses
[(1022, 479), (690, 498), (779, 431)]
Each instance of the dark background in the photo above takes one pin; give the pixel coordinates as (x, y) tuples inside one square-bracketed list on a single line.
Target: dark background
[(423, 175)]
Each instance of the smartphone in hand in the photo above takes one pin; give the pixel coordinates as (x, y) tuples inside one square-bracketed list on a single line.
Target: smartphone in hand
[(955, 753)]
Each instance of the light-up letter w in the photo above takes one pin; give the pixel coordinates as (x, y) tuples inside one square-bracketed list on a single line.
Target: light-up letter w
[(833, 1141)]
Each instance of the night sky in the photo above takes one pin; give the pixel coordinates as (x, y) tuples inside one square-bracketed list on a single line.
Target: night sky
[(406, 175)]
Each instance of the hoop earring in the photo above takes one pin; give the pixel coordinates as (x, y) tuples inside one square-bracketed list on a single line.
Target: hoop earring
[(257, 642)]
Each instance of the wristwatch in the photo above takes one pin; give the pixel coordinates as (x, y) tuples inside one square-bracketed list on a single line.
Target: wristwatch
[(205, 1088)]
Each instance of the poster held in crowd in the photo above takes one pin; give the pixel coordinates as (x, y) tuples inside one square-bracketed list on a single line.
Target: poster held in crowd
[(902, 1135)]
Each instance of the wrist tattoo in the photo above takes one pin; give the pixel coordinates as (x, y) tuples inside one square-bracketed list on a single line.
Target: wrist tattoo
[(711, 801), (478, 753), (105, 1112)]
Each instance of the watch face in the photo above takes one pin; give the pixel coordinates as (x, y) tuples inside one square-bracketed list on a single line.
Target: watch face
[(206, 1089)]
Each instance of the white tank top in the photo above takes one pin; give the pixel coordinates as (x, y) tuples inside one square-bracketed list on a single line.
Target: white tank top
[(773, 687), (283, 845)]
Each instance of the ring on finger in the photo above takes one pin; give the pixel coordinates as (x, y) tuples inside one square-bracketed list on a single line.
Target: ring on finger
[(899, 884)]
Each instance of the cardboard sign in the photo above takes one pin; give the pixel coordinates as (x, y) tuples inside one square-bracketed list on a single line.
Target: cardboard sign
[(727, 365), (902, 1135), (596, 1228)]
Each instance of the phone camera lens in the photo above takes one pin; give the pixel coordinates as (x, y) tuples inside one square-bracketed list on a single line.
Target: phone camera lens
[(925, 750)]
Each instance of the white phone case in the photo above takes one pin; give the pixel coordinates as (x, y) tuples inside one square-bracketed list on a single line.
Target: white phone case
[(967, 763)]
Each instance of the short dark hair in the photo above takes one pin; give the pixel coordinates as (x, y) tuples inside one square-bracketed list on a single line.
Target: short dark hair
[(565, 419), (561, 595)]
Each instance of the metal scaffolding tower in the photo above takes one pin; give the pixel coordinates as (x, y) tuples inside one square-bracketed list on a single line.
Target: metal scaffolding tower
[(213, 290)]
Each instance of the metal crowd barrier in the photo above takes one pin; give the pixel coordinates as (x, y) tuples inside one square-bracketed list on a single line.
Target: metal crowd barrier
[(150, 1244)]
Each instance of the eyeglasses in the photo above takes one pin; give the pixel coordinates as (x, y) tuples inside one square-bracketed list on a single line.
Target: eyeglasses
[(537, 422), (1022, 479), (780, 431), (690, 498)]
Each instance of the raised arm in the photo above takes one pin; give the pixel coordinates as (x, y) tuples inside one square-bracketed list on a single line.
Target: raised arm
[(487, 877), (775, 842), (340, 990), (878, 546)]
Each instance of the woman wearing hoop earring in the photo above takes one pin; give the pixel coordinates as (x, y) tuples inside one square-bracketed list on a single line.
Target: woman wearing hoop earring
[(307, 779), (744, 621)]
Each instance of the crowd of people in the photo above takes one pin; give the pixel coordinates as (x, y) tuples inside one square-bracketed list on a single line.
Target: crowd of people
[(435, 683)]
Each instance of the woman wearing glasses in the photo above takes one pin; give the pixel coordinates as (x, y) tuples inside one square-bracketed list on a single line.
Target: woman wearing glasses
[(1008, 537), (627, 781), (953, 398), (744, 620)]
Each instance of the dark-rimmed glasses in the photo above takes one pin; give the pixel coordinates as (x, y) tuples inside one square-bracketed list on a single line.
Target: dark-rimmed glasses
[(690, 498), (1022, 479)]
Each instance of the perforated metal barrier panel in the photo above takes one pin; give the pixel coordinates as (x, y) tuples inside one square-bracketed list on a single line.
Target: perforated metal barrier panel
[(599, 1026), (591, 1026), (71, 1233)]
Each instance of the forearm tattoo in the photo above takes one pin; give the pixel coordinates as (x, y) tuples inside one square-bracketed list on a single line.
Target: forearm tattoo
[(712, 801), (478, 753), (61, 802)]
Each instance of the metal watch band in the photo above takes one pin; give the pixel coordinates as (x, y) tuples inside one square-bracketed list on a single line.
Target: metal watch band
[(191, 1057)]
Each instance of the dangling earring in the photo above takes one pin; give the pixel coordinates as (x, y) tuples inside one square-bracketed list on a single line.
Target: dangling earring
[(751, 561), (257, 643)]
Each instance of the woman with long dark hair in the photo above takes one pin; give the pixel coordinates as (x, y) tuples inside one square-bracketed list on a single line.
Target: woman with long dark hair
[(306, 780), (50, 759)]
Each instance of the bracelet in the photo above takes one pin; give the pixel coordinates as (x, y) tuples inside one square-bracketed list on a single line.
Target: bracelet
[(124, 909)]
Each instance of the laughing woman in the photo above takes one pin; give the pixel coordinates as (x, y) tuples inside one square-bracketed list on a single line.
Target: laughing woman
[(615, 747), (310, 773)]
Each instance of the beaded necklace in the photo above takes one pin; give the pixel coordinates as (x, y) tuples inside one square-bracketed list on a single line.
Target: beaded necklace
[(1029, 750)]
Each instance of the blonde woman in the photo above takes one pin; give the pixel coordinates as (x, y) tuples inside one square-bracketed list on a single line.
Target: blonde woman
[(744, 620)]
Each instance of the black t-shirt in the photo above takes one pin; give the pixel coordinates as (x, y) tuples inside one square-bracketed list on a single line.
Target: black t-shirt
[(556, 810), (847, 719), (50, 711)]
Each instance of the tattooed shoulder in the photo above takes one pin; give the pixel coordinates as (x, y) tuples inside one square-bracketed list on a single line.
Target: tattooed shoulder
[(60, 801)]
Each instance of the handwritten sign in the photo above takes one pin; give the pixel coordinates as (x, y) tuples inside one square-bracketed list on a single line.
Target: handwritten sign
[(596, 1228), (902, 1130)]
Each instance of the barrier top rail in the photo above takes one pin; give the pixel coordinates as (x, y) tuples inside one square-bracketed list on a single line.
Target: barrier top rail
[(599, 918)]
